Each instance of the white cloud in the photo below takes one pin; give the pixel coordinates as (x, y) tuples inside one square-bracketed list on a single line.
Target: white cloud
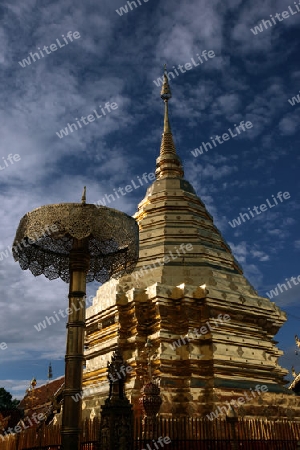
[(117, 59), (289, 125)]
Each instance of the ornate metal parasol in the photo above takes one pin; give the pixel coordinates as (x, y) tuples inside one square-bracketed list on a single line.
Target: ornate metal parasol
[(78, 243)]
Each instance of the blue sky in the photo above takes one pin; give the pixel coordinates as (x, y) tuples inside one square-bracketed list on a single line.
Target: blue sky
[(115, 59)]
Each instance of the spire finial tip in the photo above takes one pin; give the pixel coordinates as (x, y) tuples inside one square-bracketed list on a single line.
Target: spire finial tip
[(165, 93)]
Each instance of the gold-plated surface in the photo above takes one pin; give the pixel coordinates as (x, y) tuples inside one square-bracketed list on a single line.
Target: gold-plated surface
[(72, 404), (168, 164), (202, 363), (165, 92), (45, 237)]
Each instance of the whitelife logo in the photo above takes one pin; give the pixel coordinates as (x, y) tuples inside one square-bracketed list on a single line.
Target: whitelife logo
[(240, 401), (26, 242), (11, 158), (128, 188), (90, 118), (274, 292), (162, 261), (3, 346), (94, 387), (188, 66), (225, 137), (161, 440), (53, 47), (292, 101), (263, 207), (36, 418), (49, 320), (124, 9), (183, 340), (267, 23)]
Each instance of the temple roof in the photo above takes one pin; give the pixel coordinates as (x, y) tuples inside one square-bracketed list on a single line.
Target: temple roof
[(295, 385), (37, 398)]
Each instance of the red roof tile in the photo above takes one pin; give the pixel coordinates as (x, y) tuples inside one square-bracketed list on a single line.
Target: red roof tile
[(37, 398)]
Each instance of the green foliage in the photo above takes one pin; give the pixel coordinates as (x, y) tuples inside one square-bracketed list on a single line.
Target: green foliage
[(6, 401)]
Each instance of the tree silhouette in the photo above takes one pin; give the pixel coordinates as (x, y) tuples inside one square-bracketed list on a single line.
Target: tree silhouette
[(6, 401)]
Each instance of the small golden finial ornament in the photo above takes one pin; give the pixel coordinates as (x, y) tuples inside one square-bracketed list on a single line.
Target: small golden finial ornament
[(165, 93)]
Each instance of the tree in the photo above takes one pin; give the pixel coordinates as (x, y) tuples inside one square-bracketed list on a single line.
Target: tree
[(6, 401)]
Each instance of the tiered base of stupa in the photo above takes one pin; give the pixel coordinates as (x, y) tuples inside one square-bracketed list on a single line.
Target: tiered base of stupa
[(214, 347)]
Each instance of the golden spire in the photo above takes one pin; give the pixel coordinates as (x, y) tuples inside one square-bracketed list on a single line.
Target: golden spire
[(166, 94), (168, 164)]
